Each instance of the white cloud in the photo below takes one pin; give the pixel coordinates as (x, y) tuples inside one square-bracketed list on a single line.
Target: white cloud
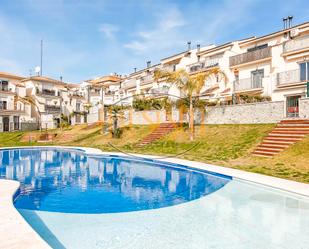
[(166, 29), (109, 30)]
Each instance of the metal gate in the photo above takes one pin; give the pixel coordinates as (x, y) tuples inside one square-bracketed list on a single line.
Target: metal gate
[(292, 106)]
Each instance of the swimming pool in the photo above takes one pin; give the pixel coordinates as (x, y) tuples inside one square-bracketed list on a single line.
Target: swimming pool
[(75, 200)]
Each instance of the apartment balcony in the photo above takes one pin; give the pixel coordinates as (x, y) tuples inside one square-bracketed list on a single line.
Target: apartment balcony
[(291, 77), (169, 68), (298, 44), (160, 91), (203, 65), (129, 84), (46, 92), (251, 56), (52, 109), (148, 79), (248, 84)]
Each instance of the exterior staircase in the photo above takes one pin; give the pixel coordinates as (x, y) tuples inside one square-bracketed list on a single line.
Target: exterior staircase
[(286, 133), (162, 130)]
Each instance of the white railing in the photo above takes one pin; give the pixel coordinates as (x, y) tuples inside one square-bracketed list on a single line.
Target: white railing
[(297, 44), (147, 79), (129, 83), (288, 77), (247, 84), (168, 68), (211, 62)]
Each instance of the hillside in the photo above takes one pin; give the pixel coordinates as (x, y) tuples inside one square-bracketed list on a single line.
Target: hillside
[(226, 145)]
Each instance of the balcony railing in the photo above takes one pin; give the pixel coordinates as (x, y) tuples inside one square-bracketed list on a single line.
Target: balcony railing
[(147, 79), (159, 91), (169, 68), (52, 108), (289, 77), (129, 84), (209, 63), (297, 44), (248, 84), (250, 56), (47, 92)]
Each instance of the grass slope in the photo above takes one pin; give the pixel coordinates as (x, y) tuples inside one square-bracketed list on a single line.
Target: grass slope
[(226, 145)]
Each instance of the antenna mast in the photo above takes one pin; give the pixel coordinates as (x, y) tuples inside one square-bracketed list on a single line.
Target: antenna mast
[(41, 57)]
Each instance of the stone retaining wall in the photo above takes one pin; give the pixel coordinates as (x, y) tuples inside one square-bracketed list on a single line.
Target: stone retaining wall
[(264, 112)]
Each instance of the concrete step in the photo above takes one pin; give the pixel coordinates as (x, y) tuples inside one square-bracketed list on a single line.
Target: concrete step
[(290, 128), (268, 149), (278, 141), (296, 121), (291, 132), (293, 125), (266, 152), (286, 135), (283, 138), (274, 145), (261, 155)]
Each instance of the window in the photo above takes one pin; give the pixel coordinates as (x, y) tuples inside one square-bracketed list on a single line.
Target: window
[(304, 71), (77, 107), (256, 78), (3, 105), (4, 85)]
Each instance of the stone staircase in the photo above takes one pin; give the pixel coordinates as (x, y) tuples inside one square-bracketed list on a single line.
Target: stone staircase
[(286, 133), (162, 130)]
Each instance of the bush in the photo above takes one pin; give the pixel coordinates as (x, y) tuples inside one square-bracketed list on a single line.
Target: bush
[(142, 104)]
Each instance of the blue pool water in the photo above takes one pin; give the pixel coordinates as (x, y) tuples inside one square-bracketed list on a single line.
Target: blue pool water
[(77, 201), (70, 182)]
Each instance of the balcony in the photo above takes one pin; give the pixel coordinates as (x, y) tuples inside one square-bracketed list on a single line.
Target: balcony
[(147, 80), (129, 84), (296, 45), (47, 92), (290, 77), (169, 68), (52, 108), (199, 66), (248, 84), (251, 56), (160, 91)]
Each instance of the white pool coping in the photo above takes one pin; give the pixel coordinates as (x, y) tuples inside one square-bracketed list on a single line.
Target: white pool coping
[(15, 232)]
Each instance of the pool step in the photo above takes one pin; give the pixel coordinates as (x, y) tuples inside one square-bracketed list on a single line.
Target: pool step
[(286, 133)]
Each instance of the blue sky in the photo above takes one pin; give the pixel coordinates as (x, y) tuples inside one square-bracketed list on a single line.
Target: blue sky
[(86, 39)]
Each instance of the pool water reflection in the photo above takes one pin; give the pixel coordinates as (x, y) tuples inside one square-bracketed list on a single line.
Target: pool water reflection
[(71, 182)]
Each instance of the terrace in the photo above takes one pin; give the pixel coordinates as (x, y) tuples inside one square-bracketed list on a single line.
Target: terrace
[(250, 56)]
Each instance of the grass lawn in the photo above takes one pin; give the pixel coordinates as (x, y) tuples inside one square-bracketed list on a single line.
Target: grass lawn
[(225, 145)]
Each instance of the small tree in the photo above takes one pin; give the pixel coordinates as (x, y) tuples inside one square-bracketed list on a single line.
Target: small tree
[(190, 86), (116, 113)]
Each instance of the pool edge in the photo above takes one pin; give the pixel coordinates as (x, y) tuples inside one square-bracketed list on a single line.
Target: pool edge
[(22, 234)]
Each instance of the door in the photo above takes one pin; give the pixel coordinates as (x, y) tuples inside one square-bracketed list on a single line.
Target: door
[(256, 78), (16, 123), (292, 106), (6, 123)]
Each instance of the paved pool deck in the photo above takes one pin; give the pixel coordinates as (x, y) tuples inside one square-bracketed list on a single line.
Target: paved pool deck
[(15, 232)]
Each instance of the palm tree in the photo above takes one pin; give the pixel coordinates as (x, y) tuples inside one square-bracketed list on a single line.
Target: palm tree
[(116, 113), (190, 86)]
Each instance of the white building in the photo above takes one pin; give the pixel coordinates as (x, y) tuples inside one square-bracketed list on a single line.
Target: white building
[(14, 109)]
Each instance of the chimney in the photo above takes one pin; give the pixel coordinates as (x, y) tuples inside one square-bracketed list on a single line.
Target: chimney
[(285, 20), (148, 64), (290, 18), (189, 45), (198, 47)]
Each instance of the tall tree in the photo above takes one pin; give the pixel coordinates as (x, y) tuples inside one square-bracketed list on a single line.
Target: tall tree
[(189, 85)]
